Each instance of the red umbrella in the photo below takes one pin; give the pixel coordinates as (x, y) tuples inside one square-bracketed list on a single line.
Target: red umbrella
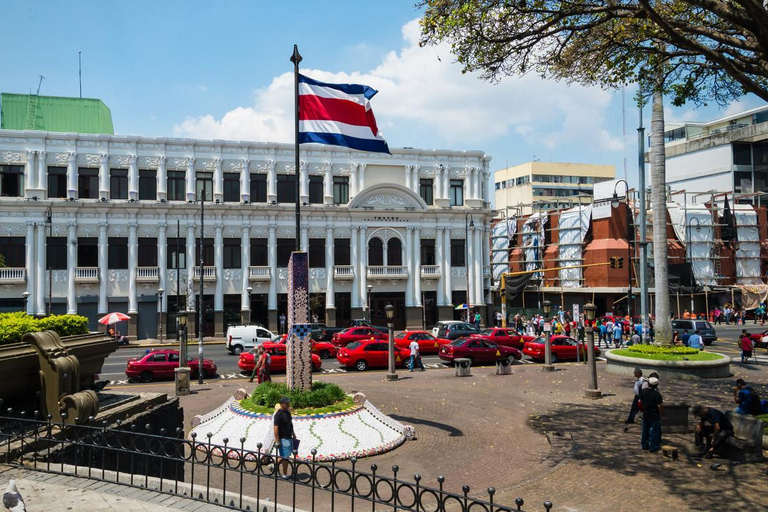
[(113, 318)]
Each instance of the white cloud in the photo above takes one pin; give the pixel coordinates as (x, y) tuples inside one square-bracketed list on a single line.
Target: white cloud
[(203, 88), (425, 101)]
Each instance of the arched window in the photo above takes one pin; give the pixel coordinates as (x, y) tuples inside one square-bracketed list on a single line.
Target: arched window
[(375, 252), (394, 252)]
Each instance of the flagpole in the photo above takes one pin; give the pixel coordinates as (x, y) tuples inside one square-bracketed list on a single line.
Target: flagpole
[(296, 58)]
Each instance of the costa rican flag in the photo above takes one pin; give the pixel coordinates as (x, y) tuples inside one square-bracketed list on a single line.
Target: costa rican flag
[(339, 115)]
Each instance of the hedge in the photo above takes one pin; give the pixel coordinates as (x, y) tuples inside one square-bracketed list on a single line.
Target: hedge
[(653, 349), (322, 398), (15, 325)]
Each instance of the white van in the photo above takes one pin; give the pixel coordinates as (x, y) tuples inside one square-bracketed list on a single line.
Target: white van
[(245, 337)]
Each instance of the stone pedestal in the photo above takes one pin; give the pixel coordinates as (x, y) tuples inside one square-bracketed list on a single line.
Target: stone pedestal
[(444, 313), (356, 313), (218, 324), (272, 320), (413, 318), (245, 317), (182, 381), (330, 317), (594, 394), (133, 327)]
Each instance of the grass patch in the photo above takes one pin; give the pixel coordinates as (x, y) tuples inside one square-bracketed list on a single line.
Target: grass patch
[(667, 356), (323, 398)]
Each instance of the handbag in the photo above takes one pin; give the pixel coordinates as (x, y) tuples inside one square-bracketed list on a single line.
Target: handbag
[(296, 443)]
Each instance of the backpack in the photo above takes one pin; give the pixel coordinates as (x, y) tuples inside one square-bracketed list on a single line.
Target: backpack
[(751, 401)]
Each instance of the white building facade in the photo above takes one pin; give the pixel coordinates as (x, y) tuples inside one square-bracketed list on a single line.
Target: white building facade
[(409, 229)]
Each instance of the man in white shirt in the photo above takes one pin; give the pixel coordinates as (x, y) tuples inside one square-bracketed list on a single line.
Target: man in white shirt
[(498, 319), (415, 357)]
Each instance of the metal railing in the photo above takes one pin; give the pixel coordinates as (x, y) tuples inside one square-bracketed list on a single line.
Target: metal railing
[(259, 274), (13, 275), (227, 475), (388, 272)]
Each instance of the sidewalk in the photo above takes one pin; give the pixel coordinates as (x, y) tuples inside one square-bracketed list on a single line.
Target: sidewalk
[(154, 343)]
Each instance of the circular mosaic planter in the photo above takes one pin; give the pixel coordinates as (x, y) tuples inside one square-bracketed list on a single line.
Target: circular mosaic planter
[(360, 431), (684, 370)]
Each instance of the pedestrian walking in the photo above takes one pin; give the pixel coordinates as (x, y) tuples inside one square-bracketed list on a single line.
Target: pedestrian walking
[(282, 323), (415, 356), (653, 411), (498, 319), (634, 409), (617, 335), (256, 351), (712, 431), (601, 333), (477, 319), (285, 437), (745, 342)]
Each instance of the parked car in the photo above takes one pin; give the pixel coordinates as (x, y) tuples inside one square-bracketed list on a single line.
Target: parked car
[(277, 354), (365, 354), (160, 364), (428, 344), (244, 337), (563, 349), (324, 349), (505, 337), (706, 330), (455, 330), (760, 340), (478, 350), (350, 334), (442, 324), (322, 332)]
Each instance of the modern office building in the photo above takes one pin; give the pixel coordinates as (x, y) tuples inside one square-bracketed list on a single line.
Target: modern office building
[(729, 154), (549, 185), (95, 223)]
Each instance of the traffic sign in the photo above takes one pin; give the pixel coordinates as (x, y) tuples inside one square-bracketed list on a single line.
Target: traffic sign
[(547, 327)]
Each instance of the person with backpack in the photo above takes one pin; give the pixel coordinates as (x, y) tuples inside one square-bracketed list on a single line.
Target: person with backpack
[(635, 408), (747, 398)]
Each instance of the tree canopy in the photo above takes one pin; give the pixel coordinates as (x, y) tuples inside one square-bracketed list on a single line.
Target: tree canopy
[(695, 50)]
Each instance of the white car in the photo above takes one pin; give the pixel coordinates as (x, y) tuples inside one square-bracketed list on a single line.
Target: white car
[(438, 325), (245, 337)]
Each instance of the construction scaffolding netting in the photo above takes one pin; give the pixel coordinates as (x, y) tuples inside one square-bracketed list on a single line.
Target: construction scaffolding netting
[(748, 248), (533, 241), (693, 226), (502, 234), (574, 224)]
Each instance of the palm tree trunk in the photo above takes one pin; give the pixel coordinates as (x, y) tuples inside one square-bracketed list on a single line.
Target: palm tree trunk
[(663, 325)]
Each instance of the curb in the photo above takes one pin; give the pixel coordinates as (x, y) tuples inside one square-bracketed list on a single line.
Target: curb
[(167, 345)]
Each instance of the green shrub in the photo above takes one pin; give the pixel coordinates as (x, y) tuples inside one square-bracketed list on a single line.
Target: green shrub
[(653, 349), (15, 325), (323, 397)]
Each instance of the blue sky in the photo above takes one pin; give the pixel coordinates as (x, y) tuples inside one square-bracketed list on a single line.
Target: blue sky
[(220, 70)]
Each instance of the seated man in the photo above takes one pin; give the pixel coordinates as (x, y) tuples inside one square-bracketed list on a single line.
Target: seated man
[(712, 431), (685, 337), (695, 341), (747, 398)]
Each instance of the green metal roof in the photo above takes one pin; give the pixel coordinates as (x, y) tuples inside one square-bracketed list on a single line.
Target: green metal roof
[(54, 114)]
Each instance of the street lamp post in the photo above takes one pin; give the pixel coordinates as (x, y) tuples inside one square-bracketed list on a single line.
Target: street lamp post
[(615, 201), (249, 290), (160, 314), (49, 224), (469, 222), (390, 310), (548, 366), (26, 300), (182, 372), (589, 314), (200, 306), (369, 288)]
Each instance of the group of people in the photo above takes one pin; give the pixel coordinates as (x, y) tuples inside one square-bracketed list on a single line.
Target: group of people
[(689, 340), (618, 331), (713, 428), (729, 314), (262, 361)]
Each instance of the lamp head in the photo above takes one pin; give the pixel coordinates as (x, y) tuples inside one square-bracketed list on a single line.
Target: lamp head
[(25, 295), (390, 310), (181, 318), (369, 287), (615, 200), (160, 292), (547, 307), (249, 290), (589, 311)]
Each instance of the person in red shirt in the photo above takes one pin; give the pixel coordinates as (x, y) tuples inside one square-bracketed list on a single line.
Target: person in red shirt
[(746, 346)]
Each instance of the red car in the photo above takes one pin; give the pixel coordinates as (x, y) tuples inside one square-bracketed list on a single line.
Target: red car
[(324, 349), (428, 344), (478, 350), (365, 354), (350, 334), (159, 364), (277, 355), (760, 340), (504, 337), (563, 349)]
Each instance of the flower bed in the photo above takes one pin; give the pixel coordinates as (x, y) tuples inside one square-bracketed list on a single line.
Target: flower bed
[(667, 353), (323, 398)]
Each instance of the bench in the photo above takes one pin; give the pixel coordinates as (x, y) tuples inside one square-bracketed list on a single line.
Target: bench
[(669, 451), (504, 366), (747, 441)]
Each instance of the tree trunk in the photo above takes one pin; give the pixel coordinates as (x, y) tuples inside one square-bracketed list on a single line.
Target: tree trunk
[(663, 325)]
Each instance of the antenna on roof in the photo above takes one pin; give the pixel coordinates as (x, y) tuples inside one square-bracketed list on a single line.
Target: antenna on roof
[(80, 71), (39, 84)]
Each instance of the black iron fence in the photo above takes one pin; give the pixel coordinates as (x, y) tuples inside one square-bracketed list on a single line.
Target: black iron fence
[(227, 475)]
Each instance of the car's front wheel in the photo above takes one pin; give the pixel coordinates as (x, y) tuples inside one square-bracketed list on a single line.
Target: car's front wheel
[(237, 350), (324, 354), (554, 358), (146, 376), (361, 366)]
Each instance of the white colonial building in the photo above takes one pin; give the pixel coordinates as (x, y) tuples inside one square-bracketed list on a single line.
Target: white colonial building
[(409, 229)]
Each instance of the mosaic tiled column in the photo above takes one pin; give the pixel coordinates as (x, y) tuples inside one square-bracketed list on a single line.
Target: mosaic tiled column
[(298, 352)]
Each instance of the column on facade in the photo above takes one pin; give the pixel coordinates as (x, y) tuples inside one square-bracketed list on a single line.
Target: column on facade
[(412, 275), (29, 265), (191, 263), (330, 297), (191, 180), (407, 169), (304, 182), (446, 266), (41, 276), (354, 257), (272, 252), (133, 178), (271, 184), (446, 181), (361, 177), (482, 250), (328, 183), (30, 178), (469, 182), (42, 171), (305, 239), (363, 266), (104, 176), (162, 264), (103, 247), (470, 251), (72, 175), (416, 266), (218, 261), (245, 182), (162, 180), (440, 257), (133, 245), (477, 281), (71, 269), (482, 180), (352, 180), (218, 181), (245, 264)]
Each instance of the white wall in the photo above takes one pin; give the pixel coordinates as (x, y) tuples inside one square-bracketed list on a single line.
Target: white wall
[(701, 171)]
